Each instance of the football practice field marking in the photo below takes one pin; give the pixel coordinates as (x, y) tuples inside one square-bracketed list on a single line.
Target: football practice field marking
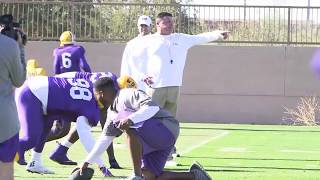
[(202, 143), (227, 152), (234, 149), (299, 151)]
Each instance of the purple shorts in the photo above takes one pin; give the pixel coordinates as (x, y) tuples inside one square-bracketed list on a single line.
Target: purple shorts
[(9, 148), (157, 142)]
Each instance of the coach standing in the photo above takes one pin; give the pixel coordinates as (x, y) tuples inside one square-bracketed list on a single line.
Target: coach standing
[(166, 56), (131, 66), (159, 59), (12, 74), (163, 56)]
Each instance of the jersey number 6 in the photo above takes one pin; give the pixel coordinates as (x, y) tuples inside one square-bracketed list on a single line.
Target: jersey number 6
[(66, 60)]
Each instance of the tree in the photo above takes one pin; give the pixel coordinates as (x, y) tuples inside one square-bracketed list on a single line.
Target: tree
[(96, 20)]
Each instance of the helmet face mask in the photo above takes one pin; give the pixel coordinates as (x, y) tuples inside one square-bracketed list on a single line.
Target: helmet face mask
[(66, 38)]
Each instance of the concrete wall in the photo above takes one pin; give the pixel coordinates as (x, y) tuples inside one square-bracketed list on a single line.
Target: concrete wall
[(221, 84)]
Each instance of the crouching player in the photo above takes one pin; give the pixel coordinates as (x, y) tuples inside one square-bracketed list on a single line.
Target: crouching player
[(41, 100), (151, 131), (59, 155)]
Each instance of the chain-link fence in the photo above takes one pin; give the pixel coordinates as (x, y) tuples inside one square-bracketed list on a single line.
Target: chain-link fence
[(46, 20)]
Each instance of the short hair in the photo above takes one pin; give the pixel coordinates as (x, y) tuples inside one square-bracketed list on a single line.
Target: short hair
[(105, 83), (163, 14)]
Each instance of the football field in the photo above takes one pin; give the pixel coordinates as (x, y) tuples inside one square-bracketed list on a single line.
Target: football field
[(234, 152)]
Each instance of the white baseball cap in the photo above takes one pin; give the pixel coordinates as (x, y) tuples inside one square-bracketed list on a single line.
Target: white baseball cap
[(144, 20)]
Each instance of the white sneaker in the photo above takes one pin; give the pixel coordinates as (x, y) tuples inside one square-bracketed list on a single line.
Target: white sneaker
[(37, 167)]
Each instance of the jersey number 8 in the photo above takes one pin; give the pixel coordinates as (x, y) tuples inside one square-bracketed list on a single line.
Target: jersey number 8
[(79, 89)]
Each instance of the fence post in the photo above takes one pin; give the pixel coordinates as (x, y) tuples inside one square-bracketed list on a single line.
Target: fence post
[(179, 18), (72, 26), (289, 27)]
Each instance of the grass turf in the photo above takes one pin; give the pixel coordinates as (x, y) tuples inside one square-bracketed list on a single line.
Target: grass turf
[(226, 151)]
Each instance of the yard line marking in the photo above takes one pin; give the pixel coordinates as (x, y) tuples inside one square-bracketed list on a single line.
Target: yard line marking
[(191, 148), (234, 149), (298, 151), (312, 165)]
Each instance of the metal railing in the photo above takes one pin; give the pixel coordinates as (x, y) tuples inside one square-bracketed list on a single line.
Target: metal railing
[(287, 25)]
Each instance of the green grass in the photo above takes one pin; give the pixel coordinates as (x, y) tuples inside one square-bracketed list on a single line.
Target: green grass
[(256, 152)]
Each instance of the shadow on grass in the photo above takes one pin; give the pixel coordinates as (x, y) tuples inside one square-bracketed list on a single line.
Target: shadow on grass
[(246, 129), (253, 159)]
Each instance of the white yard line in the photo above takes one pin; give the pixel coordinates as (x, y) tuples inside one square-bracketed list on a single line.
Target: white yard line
[(299, 151), (234, 149), (191, 148)]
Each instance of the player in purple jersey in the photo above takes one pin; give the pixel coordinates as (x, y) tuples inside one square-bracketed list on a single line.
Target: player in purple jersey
[(41, 100), (59, 155), (69, 57)]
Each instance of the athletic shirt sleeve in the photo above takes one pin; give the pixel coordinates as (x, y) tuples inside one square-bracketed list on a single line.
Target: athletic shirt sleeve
[(100, 147), (192, 40), (110, 128), (83, 61), (56, 64)]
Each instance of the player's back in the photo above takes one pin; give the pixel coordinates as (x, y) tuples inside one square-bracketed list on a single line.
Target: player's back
[(92, 77), (63, 97), (68, 58), (72, 97)]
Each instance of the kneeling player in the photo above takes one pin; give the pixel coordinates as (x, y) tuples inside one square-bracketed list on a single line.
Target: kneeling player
[(152, 132), (41, 100)]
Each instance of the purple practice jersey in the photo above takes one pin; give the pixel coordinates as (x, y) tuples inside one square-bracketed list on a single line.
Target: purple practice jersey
[(70, 58), (71, 98), (95, 76), (91, 76)]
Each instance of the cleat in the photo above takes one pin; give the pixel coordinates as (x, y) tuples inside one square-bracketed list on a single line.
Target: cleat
[(105, 171), (114, 164), (60, 156), (199, 172), (37, 167)]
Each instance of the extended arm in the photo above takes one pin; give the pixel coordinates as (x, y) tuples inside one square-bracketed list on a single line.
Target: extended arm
[(85, 136)]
